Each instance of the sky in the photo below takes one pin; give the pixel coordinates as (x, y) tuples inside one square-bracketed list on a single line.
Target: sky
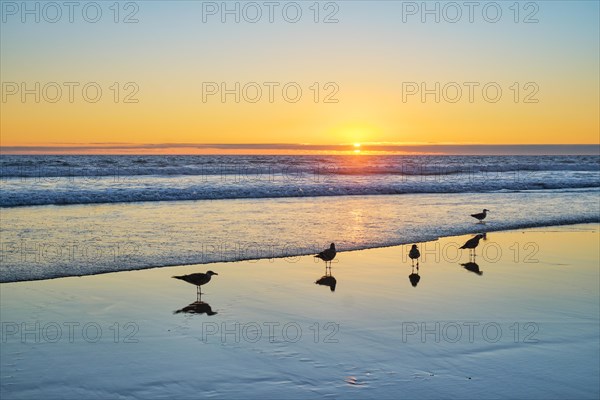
[(170, 75)]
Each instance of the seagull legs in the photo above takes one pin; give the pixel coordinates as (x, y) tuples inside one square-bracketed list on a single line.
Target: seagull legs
[(472, 255)]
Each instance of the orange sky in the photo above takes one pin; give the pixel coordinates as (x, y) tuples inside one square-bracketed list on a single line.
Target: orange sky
[(361, 80)]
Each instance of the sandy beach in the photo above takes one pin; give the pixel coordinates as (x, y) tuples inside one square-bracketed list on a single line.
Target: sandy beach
[(522, 322)]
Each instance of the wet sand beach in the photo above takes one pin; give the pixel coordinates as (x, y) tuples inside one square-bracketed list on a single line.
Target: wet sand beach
[(521, 321)]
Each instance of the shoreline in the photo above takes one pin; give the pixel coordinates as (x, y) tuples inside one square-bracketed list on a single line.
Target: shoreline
[(283, 257)]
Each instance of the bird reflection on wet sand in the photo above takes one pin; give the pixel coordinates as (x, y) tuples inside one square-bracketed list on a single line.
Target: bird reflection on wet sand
[(473, 267), (327, 279), (414, 278), (197, 307)]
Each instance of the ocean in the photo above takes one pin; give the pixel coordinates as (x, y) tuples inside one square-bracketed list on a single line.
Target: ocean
[(82, 215)]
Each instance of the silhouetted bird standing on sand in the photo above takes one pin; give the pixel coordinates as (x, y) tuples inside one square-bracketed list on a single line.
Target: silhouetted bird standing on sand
[(198, 279), (327, 255), (472, 243), (480, 216), (414, 254)]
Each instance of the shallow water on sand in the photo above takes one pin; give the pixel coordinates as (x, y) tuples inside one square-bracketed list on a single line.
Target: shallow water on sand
[(525, 326)]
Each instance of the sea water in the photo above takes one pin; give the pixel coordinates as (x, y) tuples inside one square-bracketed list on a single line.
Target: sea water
[(80, 215)]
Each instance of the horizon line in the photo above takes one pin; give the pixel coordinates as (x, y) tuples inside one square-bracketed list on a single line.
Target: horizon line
[(364, 148)]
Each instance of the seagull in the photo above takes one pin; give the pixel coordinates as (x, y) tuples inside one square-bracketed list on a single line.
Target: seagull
[(327, 255), (414, 254), (481, 216), (472, 243), (198, 279)]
